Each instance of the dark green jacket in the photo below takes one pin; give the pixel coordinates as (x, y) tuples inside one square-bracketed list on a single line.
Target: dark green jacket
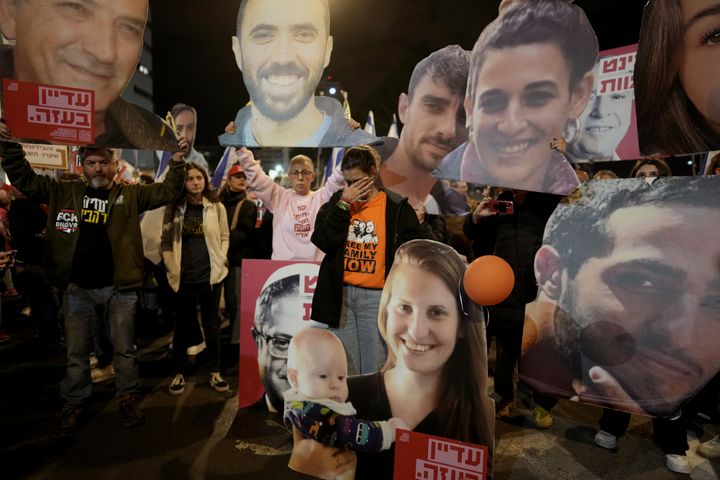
[(64, 200)]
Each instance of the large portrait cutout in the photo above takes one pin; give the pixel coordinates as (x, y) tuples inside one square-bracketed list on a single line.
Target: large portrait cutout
[(608, 126), (531, 77), (433, 117), (274, 306), (282, 47), (87, 45), (629, 276), (677, 77)]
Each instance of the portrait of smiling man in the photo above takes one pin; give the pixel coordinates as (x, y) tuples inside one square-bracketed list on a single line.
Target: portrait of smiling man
[(433, 120), (89, 44), (282, 48), (629, 303)]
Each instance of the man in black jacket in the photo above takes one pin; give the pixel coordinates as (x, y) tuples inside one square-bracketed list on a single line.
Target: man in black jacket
[(94, 252), (358, 258)]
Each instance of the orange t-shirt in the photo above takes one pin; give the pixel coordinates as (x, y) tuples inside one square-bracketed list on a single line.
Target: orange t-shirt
[(364, 262)]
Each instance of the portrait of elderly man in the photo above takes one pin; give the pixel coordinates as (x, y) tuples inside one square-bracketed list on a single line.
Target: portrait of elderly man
[(629, 302), (93, 45), (279, 315), (282, 48), (603, 125)]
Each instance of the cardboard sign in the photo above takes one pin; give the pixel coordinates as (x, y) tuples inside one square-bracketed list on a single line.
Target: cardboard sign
[(427, 457), (46, 156), (47, 112), (608, 129), (275, 300)]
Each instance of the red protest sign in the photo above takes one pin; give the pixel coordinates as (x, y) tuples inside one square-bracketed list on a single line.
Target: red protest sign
[(47, 112), (427, 457)]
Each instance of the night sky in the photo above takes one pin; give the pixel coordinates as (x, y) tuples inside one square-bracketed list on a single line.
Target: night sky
[(376, 45)]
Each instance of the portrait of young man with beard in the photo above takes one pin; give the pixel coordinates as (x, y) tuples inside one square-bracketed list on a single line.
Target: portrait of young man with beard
[(629, 276), (282, 48)]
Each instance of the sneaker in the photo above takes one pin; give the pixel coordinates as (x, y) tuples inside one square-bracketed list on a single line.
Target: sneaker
[(218, 382), (504, 408), (132, 416), (69, 421), (605, 440), (677, 463), (177, 385), (710, 449), (102, 374), (541, 418)]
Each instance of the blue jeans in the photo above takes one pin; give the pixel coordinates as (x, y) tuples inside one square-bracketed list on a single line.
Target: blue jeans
[(358, 330), (80, 307)]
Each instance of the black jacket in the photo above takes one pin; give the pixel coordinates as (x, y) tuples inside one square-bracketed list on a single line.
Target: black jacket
[(64, 199), (516, 239), (241, 235), (330, 235)]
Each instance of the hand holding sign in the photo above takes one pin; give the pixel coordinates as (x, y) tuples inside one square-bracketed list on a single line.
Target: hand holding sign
[(183, 146)]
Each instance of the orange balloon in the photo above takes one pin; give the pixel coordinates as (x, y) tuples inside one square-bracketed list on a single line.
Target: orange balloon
[(488, 280)]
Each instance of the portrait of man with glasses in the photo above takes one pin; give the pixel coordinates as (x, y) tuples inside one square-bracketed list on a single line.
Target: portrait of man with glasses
[(281, 311)]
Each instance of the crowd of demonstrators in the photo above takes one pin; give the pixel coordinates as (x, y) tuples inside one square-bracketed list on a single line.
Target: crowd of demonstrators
[(359, 229), (294, 209), (194, 244), (94, 252)]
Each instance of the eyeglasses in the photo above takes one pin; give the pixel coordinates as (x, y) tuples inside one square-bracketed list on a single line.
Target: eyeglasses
[(240, 175), (298, 173), (277, 345)]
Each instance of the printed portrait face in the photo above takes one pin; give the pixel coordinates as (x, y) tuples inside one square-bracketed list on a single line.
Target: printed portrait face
[(518, 111), (282, 50), (186, 124), (604, 123), (322, 370), (280, 313), (433, 120), (700, 58), (93, 45), (653, 289), (422, 320)]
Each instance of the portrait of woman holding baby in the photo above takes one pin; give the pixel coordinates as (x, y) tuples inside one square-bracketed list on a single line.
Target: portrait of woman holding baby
[(435, 375)]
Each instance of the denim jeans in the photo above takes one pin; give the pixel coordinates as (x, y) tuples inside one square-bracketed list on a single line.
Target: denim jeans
[(187, 299), (80, 307), (358, 330)]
